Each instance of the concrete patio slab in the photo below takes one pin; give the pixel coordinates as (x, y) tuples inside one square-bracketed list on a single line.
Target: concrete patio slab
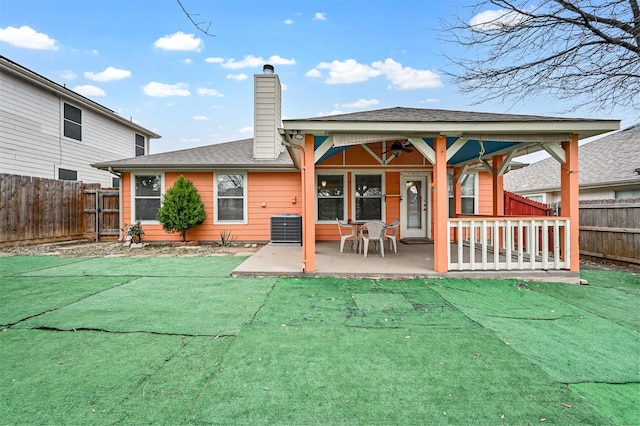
[(411, 261)]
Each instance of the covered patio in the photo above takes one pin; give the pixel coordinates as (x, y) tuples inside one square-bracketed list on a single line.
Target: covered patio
[(411, 261), (429, 152)]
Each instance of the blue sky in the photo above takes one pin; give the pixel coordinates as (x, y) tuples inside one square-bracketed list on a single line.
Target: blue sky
[(144, 59)]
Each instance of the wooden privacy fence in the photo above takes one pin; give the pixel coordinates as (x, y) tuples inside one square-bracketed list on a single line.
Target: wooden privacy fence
[(42, 210), (610, 229), (102, 213)]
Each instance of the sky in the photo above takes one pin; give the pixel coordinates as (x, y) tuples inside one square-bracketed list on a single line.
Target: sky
[(147, 61)]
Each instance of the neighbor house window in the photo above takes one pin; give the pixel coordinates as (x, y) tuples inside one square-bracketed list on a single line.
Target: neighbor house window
[(72, 122), (66, 174), (140, 145), (468, 183), (368, 197), (147, 196), (330, 200), (230, 194), (629, 193)]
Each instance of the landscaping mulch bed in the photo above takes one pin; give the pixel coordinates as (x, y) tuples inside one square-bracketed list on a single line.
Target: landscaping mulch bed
[(116, 248)]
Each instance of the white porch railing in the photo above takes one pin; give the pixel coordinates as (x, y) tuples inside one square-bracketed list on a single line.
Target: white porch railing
[(508, 243)]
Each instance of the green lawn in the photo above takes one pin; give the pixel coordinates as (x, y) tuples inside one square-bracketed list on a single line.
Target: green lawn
[(178, 341)]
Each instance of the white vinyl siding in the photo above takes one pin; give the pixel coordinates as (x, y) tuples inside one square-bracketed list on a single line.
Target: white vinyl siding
[(32, 141)]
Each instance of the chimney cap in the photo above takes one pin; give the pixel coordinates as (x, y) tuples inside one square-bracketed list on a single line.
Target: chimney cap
[(268, 69)]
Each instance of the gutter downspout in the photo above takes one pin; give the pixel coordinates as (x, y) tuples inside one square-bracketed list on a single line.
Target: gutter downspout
[(289, 143)]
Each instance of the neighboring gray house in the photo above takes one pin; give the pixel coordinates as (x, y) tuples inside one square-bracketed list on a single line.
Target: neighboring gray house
[(609, 169), (49, 131)]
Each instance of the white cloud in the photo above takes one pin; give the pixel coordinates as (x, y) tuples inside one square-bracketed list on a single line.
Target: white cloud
[(360, 103), (189, 140), (314, 73), (237, 77), (320, 16), (495, 19), (89, 90), (188, 61), (179, 41), (108, 74), (244, 130), (161, 90), (200, 118), (27, 38), (407, 78), (401, 77), (288, 21), (334, 112), (251, 61), (203, 91), (348, 71), (68, 75), (279, 60), (430, 101), (214, 60)]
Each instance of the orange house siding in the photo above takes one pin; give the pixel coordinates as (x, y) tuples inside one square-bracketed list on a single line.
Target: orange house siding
[(268, 194), (272, 193), (485, 194)]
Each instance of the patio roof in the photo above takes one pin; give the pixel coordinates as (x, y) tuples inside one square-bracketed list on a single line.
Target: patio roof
[(472, 134)]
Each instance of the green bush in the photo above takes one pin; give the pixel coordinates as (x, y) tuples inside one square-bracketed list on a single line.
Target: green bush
[(182, 208)]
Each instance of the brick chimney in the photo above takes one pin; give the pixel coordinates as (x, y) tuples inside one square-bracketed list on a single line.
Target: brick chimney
[(267, 117)]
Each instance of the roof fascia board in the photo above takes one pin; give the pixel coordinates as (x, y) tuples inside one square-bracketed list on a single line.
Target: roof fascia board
[(583, 128), (195, 168)]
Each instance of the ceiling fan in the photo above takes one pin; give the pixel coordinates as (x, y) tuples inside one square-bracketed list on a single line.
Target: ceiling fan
[(397, 148)]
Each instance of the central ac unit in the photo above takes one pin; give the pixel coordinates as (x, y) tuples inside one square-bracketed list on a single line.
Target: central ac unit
[(286, 229)]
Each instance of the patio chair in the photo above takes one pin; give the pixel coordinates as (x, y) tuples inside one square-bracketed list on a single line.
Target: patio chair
[(347, 231), (372, 231), (391, 234)]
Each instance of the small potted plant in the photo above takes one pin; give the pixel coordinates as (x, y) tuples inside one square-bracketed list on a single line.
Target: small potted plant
[(135, 232)]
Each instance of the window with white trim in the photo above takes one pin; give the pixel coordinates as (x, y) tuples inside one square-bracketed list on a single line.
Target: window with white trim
[(230, 197), (468, 193), (147, 194), (368, 197), (330, 197), (66, 174), (72, 122), (141, 144)]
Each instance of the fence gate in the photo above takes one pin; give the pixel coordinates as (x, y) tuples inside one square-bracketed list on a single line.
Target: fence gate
[(102, 213)]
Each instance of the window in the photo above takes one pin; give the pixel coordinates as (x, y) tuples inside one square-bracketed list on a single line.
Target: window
[(368, 197), (140, 145), (115, 182), (230, 196), (66, 174), (629, 193), (147, 194), (330, 197), (468, 183), (72, 122)]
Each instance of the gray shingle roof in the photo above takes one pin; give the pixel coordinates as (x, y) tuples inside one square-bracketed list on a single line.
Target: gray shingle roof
[(236, 154), (609, 160), (400, 114)]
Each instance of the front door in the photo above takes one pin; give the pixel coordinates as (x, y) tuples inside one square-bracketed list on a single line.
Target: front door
[(414, 205)]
